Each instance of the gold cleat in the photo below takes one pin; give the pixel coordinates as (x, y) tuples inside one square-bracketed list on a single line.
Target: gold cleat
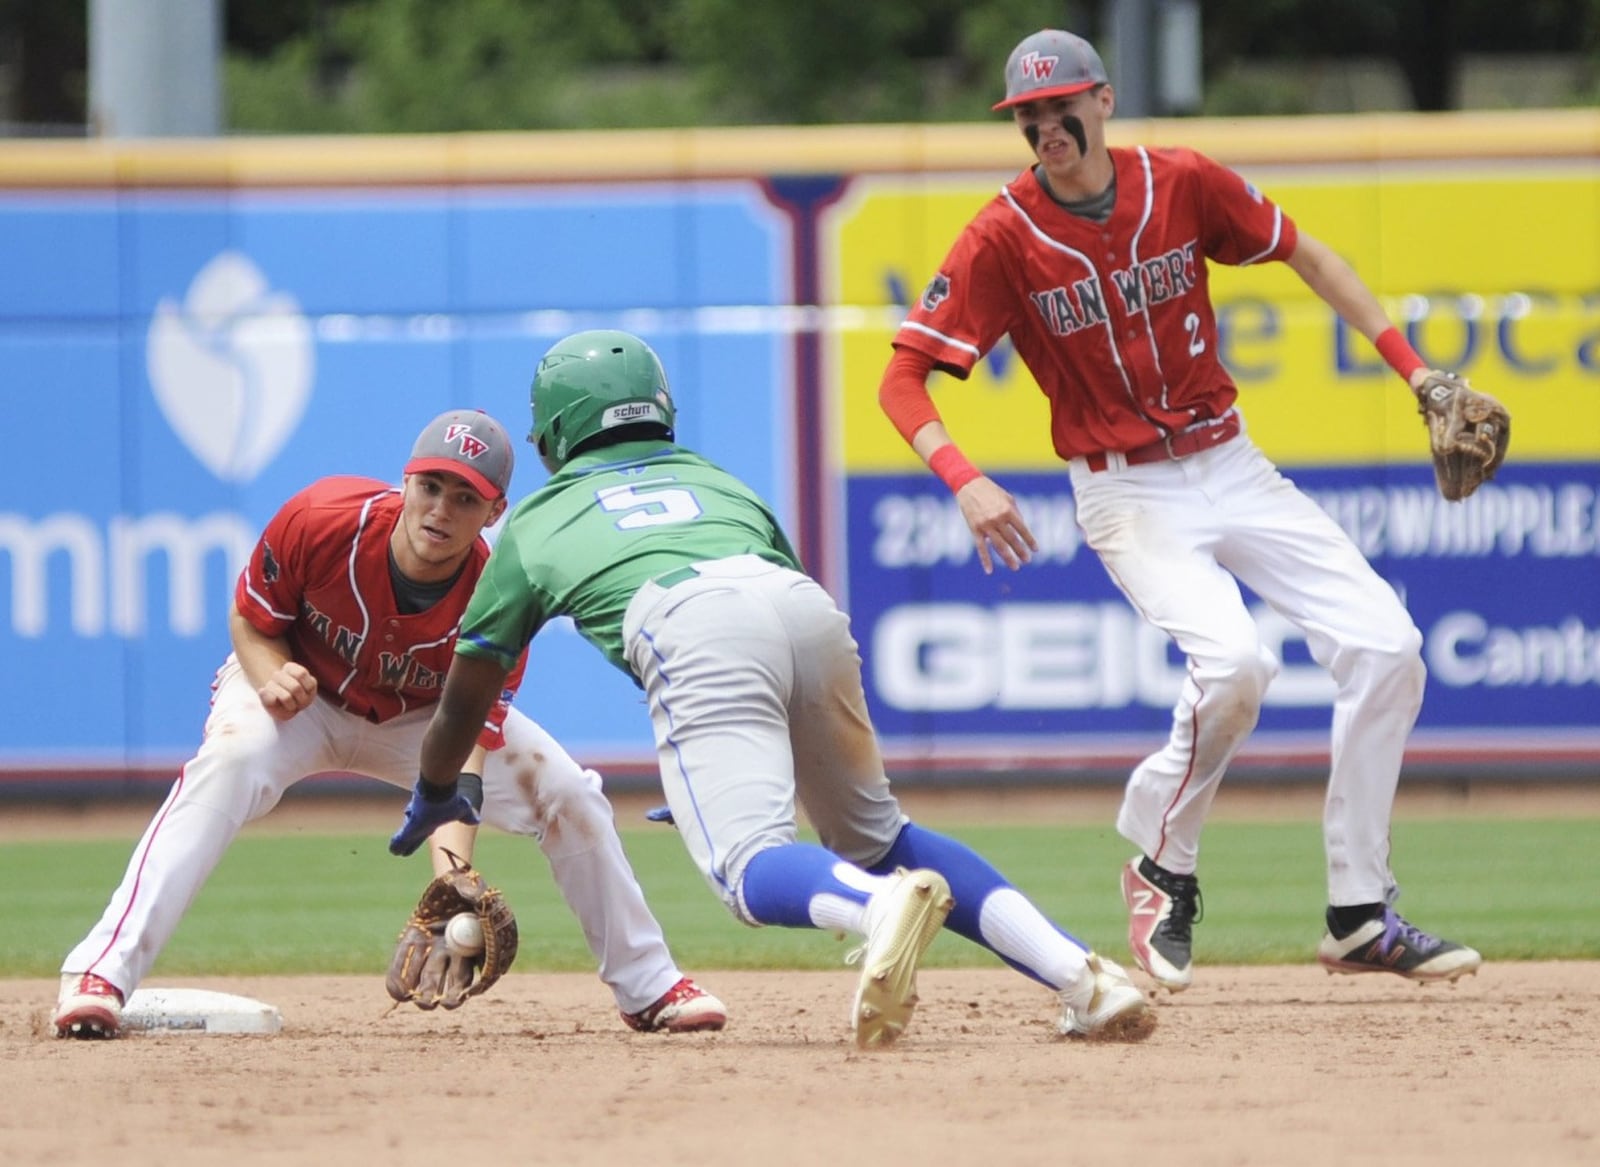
[(901, 921)]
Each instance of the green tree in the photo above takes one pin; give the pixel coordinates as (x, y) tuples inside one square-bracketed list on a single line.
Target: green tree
[(1425, 38), (421, 65), (378, 65), (44, 55), (404, 65)]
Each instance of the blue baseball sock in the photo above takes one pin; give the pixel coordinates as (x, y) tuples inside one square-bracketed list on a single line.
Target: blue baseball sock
[(780, 884), (1020, 933)]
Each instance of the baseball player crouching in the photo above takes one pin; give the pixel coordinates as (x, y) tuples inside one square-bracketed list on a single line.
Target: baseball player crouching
[(342, 627)]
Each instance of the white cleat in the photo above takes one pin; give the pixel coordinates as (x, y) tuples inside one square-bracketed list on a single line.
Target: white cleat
[(901, 921), (1392, 944), (88, 1007), (684, 1008), (1110, 1007)]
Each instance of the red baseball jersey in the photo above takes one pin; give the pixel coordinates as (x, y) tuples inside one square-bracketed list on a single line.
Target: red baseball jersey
[(1113, 319), (319, 577)]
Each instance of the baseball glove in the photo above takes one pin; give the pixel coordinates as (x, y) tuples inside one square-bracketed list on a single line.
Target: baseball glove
[(424, 970), (1468, 432)]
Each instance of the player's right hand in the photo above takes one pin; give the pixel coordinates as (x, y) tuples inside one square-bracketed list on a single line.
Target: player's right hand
[(289, 690), (996, 524)]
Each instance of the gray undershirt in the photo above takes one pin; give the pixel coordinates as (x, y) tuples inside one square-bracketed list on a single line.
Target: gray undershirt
[(1095, 208), (412, 597)]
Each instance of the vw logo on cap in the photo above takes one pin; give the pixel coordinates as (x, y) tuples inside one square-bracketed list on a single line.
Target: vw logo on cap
[(1051, 63)]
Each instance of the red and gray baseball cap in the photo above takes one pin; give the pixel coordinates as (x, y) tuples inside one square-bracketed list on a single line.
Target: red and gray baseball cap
[(470, 443), (1051, 63)]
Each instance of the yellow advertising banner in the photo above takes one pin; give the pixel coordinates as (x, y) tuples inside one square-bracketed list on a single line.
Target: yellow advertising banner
[(1492, 266)]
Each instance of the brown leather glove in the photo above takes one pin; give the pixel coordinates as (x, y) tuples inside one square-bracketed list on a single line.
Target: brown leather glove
[(424, 969), (1468, 432)]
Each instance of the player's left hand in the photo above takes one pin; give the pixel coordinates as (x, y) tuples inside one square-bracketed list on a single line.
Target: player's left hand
[(1468, 431), (424, 815), (996, 524), (427, 968)]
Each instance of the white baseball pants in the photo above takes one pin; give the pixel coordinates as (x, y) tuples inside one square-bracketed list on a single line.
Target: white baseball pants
[(746, 723), (246, 762), (1175, 536)]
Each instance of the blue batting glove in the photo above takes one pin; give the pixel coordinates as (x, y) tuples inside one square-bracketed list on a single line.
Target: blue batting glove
[(429, 809)]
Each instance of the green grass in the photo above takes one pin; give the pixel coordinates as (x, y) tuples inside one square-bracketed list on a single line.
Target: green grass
[(299, 903)]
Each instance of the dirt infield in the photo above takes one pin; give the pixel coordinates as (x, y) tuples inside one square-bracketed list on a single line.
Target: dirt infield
[(1251, 1066)]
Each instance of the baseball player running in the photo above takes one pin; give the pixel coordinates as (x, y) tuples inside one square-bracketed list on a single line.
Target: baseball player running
[(683, 578), (342, 628), (1093, 260)]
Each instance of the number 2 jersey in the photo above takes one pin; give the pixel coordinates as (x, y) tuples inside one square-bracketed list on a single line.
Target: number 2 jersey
[(1113, 319), (319, 578), (605, 524)]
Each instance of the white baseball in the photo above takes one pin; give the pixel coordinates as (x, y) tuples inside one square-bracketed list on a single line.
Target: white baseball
[(463, 935)]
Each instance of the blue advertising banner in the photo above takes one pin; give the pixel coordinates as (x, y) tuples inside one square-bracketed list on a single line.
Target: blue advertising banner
[(190, 332), (177, 364), (1501, 586)]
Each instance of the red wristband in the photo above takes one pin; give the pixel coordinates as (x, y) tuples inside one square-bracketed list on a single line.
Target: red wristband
[(952, 466), (1393, 347)]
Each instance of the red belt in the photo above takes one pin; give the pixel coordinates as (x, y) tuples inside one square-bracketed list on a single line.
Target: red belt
[(1179, 445)]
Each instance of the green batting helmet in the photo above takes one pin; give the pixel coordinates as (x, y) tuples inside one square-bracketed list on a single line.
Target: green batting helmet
[(592, 382)]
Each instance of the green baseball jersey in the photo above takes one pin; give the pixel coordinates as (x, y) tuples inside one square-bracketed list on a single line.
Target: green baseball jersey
[(602, 526)]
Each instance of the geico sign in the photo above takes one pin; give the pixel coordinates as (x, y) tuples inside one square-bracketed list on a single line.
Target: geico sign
[(105, 574), (951, 657)]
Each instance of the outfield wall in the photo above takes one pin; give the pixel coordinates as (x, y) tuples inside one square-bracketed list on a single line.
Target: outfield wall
[(190, 331)]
